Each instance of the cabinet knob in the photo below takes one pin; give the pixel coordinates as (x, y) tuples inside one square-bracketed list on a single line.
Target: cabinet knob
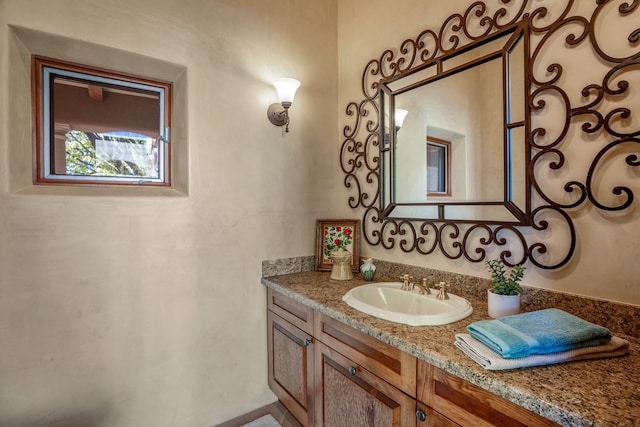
[(421, 415), (353, 370), (306, 342)]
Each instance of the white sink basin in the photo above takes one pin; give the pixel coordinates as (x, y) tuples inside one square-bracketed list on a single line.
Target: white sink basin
[(386, 300)]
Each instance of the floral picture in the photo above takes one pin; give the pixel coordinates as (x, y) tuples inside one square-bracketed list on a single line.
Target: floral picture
[(337, 237), (332, 235)]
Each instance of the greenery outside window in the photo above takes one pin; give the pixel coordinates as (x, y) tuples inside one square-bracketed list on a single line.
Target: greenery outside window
[(94, 126)]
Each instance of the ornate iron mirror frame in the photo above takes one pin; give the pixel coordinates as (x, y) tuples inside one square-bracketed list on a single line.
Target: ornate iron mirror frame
[(594, 115)]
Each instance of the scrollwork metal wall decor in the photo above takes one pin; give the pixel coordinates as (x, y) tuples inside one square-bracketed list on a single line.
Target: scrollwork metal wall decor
[(599, 116)]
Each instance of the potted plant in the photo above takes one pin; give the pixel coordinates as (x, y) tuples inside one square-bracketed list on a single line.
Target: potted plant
[(504, 295)]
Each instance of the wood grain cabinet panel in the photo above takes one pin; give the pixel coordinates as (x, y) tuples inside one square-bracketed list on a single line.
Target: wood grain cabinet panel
[(290, 367), (294, 312), (431, 418), (470, 405), (389, 363), (348, 395)]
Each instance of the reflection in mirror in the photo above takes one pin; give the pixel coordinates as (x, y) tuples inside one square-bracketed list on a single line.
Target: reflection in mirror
[(465, 111), (438, 166), (452, 109)]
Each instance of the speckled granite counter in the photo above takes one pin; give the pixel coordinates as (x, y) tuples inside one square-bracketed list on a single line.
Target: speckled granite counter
[(600, 393)]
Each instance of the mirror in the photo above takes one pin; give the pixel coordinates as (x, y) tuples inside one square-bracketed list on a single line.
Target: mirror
[(516, 118), (459, 153)]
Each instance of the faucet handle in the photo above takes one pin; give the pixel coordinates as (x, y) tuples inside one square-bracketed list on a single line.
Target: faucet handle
[(407, 282), (443, 293)]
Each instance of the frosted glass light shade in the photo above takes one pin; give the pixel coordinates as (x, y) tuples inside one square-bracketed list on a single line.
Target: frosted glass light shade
[(400, 115), (286, 89)]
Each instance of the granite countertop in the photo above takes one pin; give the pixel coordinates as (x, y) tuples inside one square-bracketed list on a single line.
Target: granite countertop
[(595, 393)]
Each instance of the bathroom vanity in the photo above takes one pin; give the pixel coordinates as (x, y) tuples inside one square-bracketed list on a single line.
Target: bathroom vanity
[(331, 365)]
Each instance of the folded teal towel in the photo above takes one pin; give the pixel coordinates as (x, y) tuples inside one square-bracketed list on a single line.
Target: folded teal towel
[(538, 332)]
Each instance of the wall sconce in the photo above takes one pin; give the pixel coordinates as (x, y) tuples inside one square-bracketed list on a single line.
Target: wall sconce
[(399, 116), (279, 113)]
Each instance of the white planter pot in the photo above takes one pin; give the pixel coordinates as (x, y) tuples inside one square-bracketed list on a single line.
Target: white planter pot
[(503, 305)]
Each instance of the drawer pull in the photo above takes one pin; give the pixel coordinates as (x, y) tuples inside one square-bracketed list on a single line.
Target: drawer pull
[(306, 342), (421, 415), (353, 370)]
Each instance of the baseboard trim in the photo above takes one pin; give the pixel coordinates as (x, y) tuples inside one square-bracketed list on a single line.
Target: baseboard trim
[(275, 409)]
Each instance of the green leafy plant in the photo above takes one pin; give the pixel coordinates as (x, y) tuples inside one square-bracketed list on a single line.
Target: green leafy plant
[(502, 283)]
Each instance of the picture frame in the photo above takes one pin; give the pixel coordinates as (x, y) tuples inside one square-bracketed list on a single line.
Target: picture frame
[(330, 230)]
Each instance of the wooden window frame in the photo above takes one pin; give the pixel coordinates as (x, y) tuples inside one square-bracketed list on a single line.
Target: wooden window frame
[(39, 69), (447, 164)]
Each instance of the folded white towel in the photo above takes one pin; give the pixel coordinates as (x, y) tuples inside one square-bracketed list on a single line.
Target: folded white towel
[(489, 359)]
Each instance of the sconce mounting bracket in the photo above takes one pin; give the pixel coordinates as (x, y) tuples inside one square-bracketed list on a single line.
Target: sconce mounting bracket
[(277, 114)]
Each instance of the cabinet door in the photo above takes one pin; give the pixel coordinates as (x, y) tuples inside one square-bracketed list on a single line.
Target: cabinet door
[(291, 367), (348, 395)]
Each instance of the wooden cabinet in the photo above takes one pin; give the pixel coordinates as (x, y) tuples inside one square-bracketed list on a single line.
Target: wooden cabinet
[(290, 350), (349, 395), (470, 405), (360, 380), (389, 363), (341, 377), (328, 374)]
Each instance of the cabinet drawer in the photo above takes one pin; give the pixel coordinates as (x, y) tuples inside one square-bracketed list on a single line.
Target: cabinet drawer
[(388, 363), (291, 310), (431, 418), (470, 405)]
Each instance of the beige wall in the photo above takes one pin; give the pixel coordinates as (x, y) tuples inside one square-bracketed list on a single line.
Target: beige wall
[(605, 262), (125, 310)]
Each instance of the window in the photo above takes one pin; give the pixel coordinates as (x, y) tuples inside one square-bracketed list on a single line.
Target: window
[(438, 167), (94, 126)]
